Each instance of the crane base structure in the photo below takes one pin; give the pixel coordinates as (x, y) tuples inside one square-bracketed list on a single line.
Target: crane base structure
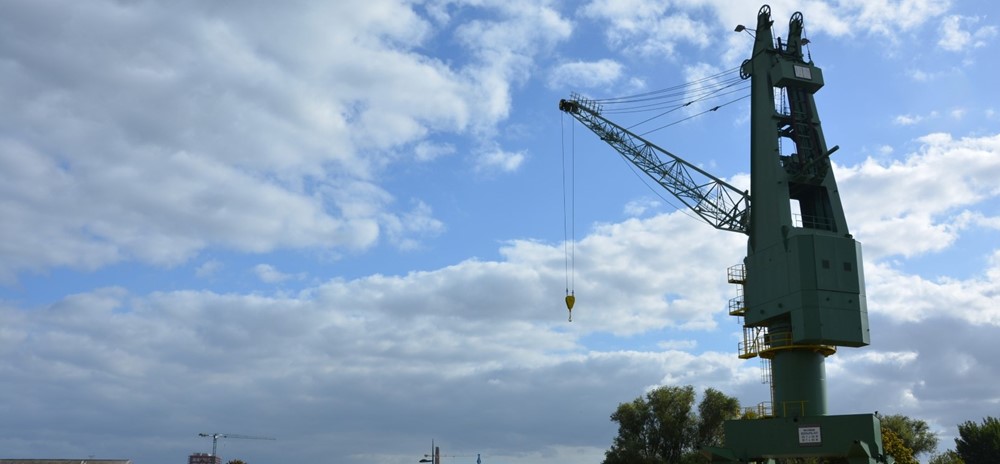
[(856, 437), (802, 292)]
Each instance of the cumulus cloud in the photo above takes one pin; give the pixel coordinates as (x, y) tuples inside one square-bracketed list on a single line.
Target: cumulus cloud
[(192, 126), (499, 160), (269, 274), (640, 206), (913, 298), (208, 268), (405, 230), (584, 75), (922, 197), (907, 119), (647, 29), (888, 17), (954, 36), (151, 134), (491, 333)]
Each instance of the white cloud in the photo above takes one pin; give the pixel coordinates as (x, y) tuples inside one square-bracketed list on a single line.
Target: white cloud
[(158, 152), (490, 334), (208, 268), (482, 336), (647, 28), (427, 151), (157, 207), (192, 127), (889, 17), (678, 344), (405, 230), (921, 198), (907, 119), (640, 206), (954, 37), (585, 75), (505, 47), (496, 159), (269, 274)]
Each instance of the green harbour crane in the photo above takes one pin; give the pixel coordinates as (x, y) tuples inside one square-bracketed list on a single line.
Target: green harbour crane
[(801, 284)]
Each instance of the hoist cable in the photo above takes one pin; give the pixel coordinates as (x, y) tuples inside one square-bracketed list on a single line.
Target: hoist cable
[(562, 139), (569, 207)]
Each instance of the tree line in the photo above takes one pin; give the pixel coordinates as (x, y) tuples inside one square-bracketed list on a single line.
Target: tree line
[(664, 427)]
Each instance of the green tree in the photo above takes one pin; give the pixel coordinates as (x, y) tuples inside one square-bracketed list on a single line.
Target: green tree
[(895, 447), (979, 444), (947, 457), (662, 427), (714, 410), (914, 433)]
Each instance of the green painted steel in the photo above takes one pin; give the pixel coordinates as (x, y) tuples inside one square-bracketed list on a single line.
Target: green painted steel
[(844, 436), (802, 278)]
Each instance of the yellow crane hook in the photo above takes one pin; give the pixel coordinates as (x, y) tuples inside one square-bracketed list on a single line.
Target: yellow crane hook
[(570, 300)]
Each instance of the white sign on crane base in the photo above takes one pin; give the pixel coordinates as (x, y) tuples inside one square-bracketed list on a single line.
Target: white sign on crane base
[(810, 435)]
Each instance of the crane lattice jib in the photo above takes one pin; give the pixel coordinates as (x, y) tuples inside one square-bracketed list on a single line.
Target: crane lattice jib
[(720, 204)]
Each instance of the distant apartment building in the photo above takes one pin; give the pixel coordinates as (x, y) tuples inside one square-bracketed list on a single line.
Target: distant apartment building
[(204, 458), (66, 461)]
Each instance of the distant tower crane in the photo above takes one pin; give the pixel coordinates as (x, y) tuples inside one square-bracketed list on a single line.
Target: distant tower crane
[(802, 282), (217, 436)]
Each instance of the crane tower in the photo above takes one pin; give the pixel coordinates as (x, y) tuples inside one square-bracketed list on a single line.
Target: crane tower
[(802, 281), (217, 436)]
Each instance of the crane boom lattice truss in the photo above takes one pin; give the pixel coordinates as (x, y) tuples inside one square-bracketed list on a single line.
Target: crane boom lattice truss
[(721, 205)]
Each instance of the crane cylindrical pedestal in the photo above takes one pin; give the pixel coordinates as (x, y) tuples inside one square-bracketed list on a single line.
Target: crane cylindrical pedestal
[(799, 382), (799, 374)]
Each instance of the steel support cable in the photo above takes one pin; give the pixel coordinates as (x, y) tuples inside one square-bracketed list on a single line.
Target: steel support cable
[(698, 94), (675, 108), (715, 108), (648, 108), (679, 95), (678, 86), (674, 96)]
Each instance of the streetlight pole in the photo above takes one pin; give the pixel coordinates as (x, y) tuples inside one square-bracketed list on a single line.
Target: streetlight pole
[(435, 456)]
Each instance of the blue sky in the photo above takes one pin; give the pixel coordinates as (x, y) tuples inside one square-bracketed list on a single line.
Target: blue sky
[(340, 224)]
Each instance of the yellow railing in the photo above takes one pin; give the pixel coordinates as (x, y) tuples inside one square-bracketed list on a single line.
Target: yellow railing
[(753, 342), (737, 274), (762, 410), (791, 406), (737, 305)]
